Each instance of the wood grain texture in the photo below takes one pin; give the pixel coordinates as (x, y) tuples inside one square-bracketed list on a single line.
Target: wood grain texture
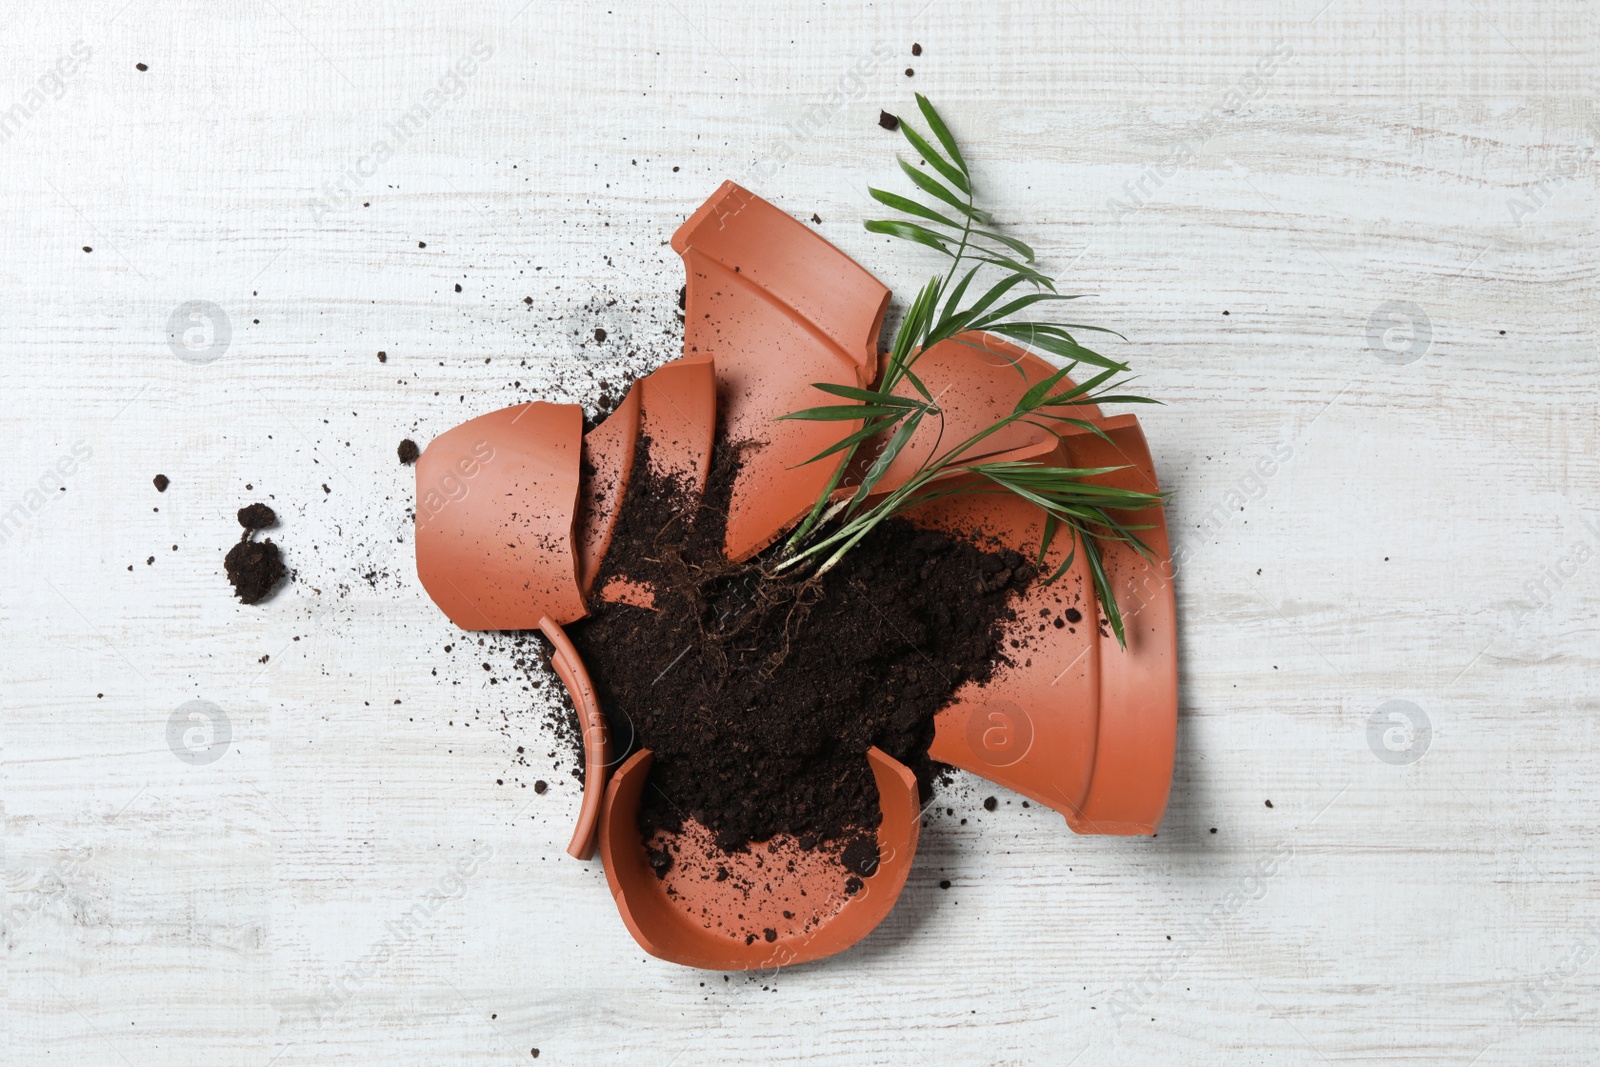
[(1242, 186)]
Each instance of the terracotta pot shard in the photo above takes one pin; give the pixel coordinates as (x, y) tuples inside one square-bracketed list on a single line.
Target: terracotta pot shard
[(609, 451), (778, 308), (770, 906), (975, 379), (1070, 719), (496, 497), (496, 500), (675, 410)]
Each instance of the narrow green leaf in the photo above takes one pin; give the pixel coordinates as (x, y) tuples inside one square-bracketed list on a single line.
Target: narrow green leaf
[(954, 176), (1066, 564), (1119, 398), (911, 207), (1006, 310), (842, 413), (1065, 326), (880, 466), (906, 338), (1029, 274), (933, 187), (1103, 591), (952, 304), (948, 328), (983, 303), (869, 430), (921, 308), (1078, 390), (941, 131), (1082, 424), (1039, 390), (1050, 524), (1010, 242), (1140, 547), (871, 396), (916, 383), (1034, 470), (1032, 334), (908, 231)]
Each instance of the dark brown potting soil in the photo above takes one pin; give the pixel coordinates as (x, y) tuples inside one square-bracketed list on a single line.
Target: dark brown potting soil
[(254, 567), (257, 517), (408, 451), (760, 694)]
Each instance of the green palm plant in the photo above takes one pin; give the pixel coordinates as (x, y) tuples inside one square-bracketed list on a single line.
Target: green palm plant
[(999, 273)]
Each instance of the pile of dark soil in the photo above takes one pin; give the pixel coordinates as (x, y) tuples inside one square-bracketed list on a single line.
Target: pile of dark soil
[(760, 694), (254, 567)]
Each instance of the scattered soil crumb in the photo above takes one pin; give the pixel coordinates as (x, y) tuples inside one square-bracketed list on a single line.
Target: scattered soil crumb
[(257, 517), (255, 568)]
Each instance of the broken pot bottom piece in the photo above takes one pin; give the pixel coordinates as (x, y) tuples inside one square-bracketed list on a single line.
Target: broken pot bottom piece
[(769, 889), (773, 905)]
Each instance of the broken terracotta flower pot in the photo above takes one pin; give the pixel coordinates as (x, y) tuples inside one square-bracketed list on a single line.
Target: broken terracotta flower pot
[(498, 545), (773, 904), (510, 535), (778, 308)]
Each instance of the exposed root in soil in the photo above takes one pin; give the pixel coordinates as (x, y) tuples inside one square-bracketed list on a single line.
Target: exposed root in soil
[(760, 691)]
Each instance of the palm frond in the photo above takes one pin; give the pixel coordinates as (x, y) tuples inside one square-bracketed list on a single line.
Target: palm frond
[(993, 265)]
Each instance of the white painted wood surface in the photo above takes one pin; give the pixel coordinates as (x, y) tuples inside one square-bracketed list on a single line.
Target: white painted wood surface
[(1426, 536)]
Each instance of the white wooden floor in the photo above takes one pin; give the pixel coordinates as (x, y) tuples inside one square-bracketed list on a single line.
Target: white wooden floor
[(1353, 245)]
